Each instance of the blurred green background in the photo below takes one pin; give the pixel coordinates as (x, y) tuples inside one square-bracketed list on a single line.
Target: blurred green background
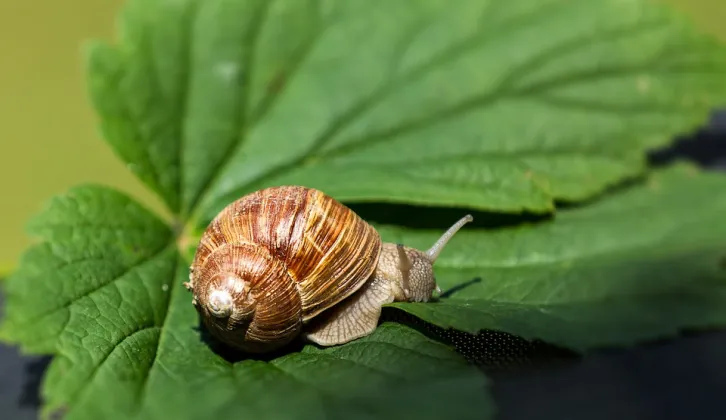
[(48, 131)]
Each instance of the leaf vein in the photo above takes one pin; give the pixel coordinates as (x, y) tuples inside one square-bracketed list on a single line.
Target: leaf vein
[(241, 122), (139, 137), (506, 86), (386, 89), (160, 341), (273, 94), (147, 55), (88, 293), (103, 360), (184, 106)]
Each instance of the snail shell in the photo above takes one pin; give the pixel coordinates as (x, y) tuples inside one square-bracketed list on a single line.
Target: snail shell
[(276, 258), (272, 261)]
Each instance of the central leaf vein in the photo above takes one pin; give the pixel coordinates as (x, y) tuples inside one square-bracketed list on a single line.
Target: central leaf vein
[(245, 116), (184, 106), (162, 337)]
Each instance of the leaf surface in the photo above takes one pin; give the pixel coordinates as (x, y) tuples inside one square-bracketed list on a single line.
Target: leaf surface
[(642, 264), (104, 293), (498, 105), (439, 105), (97, 242), (637, 265)]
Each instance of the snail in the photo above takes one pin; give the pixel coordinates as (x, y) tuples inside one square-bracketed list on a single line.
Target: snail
[(291, 261)]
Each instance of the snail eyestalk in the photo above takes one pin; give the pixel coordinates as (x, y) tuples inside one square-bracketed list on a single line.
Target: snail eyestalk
[(221, 304), (435, 250)]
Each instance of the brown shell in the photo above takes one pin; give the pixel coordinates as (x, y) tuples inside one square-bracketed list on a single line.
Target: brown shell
[(328, 251)]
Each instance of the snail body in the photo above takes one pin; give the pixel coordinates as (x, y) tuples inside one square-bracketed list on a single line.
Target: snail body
[(289, 261)]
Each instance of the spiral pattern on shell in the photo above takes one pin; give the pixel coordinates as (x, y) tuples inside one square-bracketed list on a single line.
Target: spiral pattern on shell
[(276, 258)]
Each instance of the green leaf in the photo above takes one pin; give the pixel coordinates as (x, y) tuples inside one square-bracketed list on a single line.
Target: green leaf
[(641, 264), (500, 105), (97, 243), (413, 100), (104, 293)]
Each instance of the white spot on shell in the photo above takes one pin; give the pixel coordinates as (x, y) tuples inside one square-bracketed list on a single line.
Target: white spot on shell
[(165, 287), (236, 284), (220, 303), (239, 286)]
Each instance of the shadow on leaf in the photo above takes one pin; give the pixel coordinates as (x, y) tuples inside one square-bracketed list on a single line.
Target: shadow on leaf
[(459, 287), (612, 190), (491, 351), (233, 355), (438, 218)]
